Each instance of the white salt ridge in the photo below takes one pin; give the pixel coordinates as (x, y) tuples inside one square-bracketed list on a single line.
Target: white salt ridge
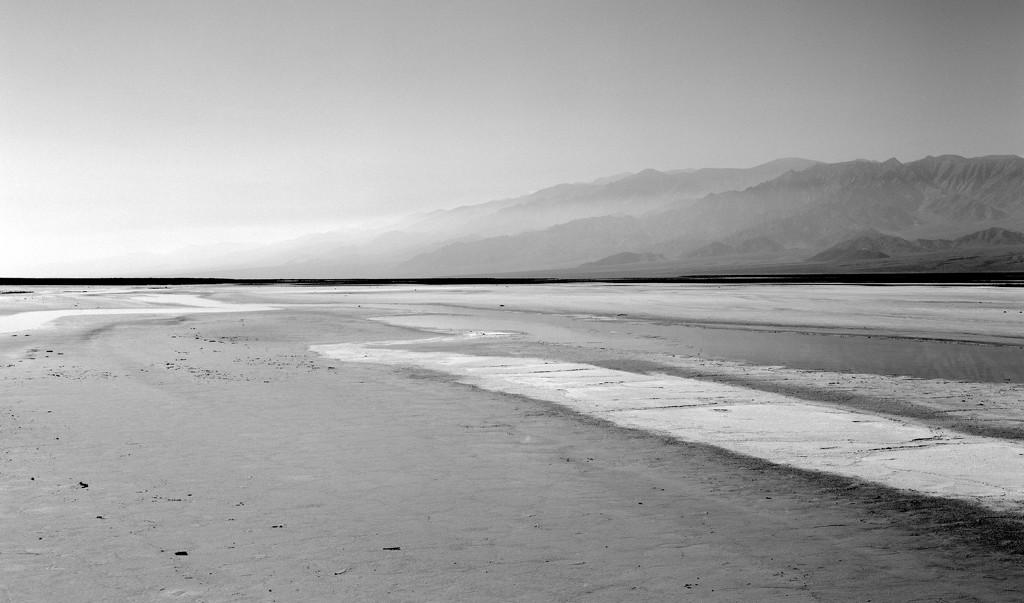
[(183, 304), (960, 313), (179, 299), (778, 428), (992, 403)]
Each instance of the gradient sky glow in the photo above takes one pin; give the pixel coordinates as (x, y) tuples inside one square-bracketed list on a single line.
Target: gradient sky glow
[(140, 125)]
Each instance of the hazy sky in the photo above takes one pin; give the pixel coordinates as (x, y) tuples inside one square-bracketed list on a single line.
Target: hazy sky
[(148, 125)]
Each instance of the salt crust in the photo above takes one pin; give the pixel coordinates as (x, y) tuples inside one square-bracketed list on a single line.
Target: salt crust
[(954, 313), (776, 427), (994, 404), (180, 304)]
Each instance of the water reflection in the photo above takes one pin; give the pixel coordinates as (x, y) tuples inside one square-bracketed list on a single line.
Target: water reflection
[(873, 355), (856, 354)]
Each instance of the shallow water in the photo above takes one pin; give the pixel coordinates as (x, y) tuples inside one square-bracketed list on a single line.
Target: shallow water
[(182, 304), (875, 355), (925, 359), (773, 426)]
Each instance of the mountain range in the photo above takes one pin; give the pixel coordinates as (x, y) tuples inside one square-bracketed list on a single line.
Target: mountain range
[(785, 219), (938, 213)]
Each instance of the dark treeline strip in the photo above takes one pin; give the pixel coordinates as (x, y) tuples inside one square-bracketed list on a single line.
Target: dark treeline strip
[(1012, 279), (130, 282)]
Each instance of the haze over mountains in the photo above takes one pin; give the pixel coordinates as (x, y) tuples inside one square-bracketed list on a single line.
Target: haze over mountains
[(938, 213)]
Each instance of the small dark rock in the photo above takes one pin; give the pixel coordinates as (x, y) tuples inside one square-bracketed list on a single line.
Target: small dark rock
[(83, 484), (183, 553)]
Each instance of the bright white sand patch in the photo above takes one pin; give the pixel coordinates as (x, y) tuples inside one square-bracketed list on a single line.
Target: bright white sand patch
[(181, 300), (995, 404), (775, 427), (182, 304)]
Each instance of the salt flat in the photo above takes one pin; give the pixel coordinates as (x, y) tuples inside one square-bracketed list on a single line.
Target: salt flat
[(179, 304), (772, 426), (462, 445)]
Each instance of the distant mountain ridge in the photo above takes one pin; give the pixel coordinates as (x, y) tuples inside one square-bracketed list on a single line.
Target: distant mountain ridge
[(808, 209), (625, 194), (625, 258), (829, 201), (879, 245), (781, 213), (755, 245)]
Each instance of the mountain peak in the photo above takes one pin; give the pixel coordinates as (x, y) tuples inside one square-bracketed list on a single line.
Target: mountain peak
[(991, 236), (788, 162), (878, 245)]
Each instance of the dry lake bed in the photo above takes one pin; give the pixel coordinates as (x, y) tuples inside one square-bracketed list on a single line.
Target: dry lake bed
[(571, 442)]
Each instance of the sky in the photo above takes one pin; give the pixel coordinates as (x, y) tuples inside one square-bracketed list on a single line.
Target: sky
[(147, 125)]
